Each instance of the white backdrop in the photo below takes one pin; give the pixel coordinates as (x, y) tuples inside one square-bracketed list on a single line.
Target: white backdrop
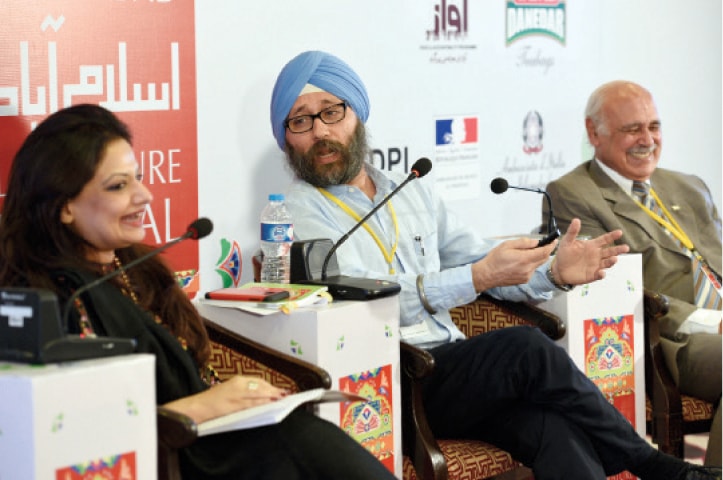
[(671, 47)]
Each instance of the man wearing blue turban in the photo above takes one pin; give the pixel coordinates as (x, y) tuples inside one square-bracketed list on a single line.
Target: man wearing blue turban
[(512, 387), (323, 71)]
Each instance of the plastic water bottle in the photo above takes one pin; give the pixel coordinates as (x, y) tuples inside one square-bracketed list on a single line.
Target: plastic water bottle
[(277, 235)]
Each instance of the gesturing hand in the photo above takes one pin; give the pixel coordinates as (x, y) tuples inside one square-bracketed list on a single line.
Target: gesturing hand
[(584, 261), (510, 263)]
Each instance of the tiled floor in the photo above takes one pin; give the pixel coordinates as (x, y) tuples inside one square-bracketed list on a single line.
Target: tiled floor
[(695, 447)]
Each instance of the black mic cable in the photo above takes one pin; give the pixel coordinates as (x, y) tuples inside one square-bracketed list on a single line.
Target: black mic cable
[(198, 229), (499, 185), (420, 168)]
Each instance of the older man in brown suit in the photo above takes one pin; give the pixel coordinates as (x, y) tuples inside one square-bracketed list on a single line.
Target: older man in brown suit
[(668, 217)]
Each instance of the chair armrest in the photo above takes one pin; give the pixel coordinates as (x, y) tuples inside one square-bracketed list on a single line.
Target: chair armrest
[(655, 303), (661, 388), (416, 363), (550, 324), (175, 429), (417, 439), (306, 375)]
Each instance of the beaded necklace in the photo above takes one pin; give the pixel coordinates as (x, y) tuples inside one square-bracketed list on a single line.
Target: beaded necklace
[(126, 288), (207, 373)]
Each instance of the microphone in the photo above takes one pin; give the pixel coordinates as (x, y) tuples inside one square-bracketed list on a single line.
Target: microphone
[(420, 168), (499, 185), (198, 229), (308, 255)]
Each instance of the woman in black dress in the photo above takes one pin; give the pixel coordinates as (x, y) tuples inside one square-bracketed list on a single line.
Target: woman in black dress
[(74, 211)]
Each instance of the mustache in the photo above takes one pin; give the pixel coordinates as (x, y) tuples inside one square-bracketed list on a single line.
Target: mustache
[(324, 146), (638, 150)]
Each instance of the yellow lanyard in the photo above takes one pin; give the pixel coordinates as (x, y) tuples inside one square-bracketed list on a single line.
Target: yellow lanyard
[(388, 256), (670, 225)]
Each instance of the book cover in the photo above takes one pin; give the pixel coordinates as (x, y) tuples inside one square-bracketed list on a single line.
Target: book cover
[(250, 294), (299, 296), (273, 412)]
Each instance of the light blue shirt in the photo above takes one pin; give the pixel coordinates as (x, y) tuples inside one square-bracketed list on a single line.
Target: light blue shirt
[(431, 241)]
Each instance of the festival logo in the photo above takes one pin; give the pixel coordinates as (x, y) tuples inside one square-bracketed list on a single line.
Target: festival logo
[(136, 59), (535, 17), (229, 265)]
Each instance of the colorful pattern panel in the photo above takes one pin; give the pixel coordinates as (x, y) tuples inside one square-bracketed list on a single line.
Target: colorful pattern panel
[(370, 423), (115, 467), (610, 364)]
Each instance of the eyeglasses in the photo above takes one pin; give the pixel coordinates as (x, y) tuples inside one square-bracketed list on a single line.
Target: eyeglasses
[(329, 116)]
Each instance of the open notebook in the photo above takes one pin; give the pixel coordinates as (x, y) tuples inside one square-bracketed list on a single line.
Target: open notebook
[(273, 412)]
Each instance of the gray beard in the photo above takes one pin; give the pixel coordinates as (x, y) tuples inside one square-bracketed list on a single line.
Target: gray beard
[(338, 173)]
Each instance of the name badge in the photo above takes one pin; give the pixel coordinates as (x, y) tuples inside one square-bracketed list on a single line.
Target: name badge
[(415, 330)]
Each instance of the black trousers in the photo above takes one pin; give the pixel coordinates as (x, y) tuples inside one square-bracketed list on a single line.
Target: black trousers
[(516, 389), (301, 447)]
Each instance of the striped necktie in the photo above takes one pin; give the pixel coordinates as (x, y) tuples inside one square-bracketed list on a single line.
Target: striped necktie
[(640, 192), (706, 285)]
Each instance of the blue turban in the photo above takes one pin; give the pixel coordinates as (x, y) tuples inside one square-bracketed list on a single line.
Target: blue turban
[(322, 70)]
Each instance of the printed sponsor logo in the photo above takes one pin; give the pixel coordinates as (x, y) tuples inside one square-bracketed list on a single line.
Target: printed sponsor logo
[(457, 157), (532, 132), (456, 131), (447, 37), (535, 17)]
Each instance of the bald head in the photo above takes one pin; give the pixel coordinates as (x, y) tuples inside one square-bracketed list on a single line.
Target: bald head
[(624, 128), (606, 94)]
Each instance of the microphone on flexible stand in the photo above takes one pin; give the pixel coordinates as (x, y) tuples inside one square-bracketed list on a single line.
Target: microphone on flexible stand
[(32, 330), (198, 229), (420, 168), (499, 185), (304, 257)]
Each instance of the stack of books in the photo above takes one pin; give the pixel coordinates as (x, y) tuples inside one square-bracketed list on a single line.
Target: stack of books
[(267, 298)]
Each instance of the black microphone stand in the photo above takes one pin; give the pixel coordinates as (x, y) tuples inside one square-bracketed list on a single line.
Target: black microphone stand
[(343, 239)]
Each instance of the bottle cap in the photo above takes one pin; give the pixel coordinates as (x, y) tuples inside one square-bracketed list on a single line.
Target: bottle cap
[(276, 197)]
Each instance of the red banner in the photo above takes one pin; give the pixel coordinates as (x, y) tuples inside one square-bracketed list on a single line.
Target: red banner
[(134, 57)]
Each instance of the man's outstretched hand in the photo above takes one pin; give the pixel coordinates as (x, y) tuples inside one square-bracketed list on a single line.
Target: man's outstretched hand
[(584, 261)]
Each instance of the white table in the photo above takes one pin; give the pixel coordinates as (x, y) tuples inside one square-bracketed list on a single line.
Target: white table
[(605, 335), (94, 415), (357, 342)]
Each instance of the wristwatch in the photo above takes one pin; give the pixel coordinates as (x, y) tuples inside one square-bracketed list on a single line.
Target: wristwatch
[(565, 287)]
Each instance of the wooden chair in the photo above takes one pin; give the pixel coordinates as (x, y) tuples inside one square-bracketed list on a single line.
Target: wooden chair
[(457, 459), (233, 354), (670, 414), (427, 458)]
